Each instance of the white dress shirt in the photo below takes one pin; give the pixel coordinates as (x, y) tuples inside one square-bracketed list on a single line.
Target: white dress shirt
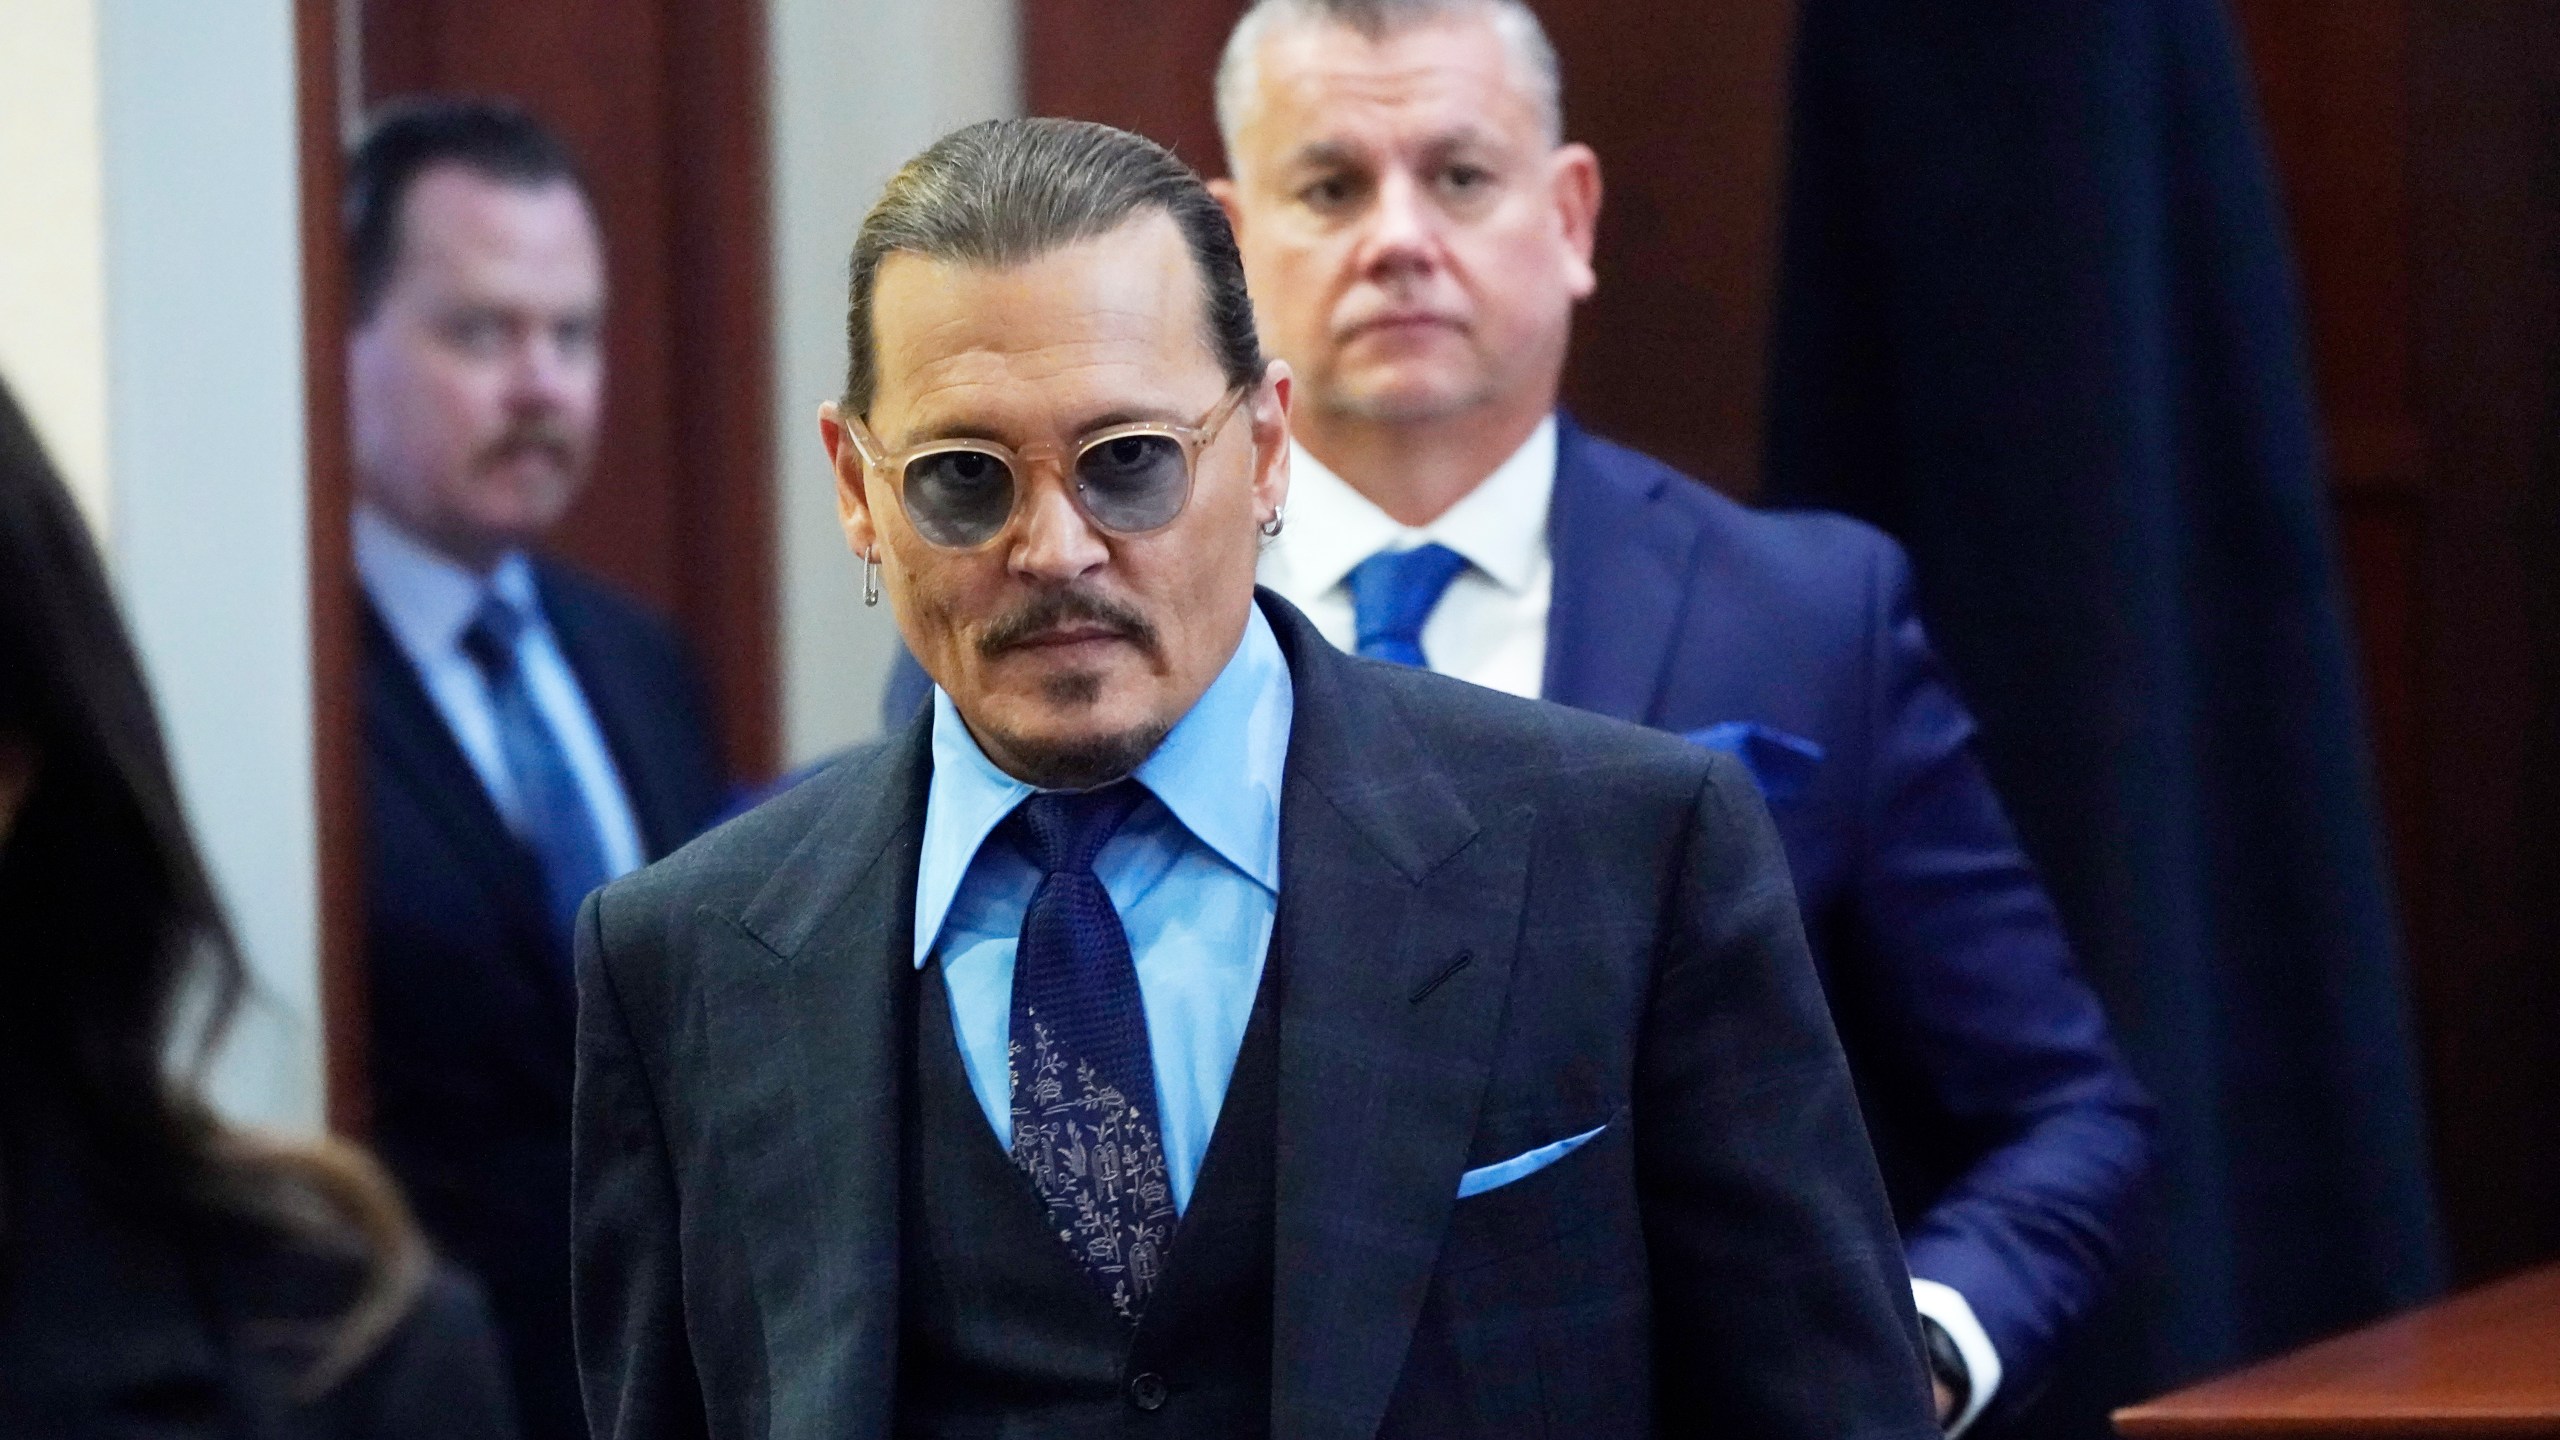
[(428, 601), (1491, 628)]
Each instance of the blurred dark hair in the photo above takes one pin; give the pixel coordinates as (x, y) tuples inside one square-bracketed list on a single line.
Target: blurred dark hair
[(1001, 192), (110, 931), (405, 138)]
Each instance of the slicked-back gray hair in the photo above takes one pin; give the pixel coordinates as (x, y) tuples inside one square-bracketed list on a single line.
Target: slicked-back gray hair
[(1514, 21), (1002, 192)]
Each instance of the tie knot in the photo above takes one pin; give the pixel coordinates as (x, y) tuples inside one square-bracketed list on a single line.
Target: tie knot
[(1393, 593), (490, 639), (1062, 830)]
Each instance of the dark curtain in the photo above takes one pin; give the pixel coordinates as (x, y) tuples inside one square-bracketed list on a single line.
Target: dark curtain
[(2036, 318)]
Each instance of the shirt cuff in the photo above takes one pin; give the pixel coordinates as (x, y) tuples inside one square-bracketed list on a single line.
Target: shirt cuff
[(1948, 1307)]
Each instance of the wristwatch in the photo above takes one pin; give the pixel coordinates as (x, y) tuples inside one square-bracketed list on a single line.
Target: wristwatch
[(1946, 1364)]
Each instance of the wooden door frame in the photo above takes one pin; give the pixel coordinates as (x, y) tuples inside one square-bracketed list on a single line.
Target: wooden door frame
[(337, 732)]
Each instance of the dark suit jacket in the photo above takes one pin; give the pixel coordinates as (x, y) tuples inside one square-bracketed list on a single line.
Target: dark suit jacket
[(2012, 1134), (116, 1328), (1506, 922), (470, 1004)]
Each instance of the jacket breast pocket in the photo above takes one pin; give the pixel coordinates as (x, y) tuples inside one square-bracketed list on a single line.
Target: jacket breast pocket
[(1590, 1183)]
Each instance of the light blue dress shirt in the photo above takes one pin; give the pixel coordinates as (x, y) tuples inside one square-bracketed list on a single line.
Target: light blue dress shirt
[(428, 601), (1194, 873)]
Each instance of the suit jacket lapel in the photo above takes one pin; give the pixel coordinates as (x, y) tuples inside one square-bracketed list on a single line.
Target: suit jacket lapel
[(1399, 913), (817, 1026), (414, 742), (1621, 569)]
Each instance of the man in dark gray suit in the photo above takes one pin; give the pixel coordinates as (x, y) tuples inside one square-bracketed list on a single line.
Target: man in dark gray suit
[(1183, 1026)]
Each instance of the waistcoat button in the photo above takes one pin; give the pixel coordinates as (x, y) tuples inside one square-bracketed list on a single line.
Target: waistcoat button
[(1148, 1391)]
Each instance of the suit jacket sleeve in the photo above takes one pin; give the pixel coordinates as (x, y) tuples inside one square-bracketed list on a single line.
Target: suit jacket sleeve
[(1754, 1168), (626, 1280), (1994, 1014)]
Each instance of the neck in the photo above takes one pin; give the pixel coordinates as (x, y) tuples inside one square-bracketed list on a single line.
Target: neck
[(1416, 469), (480, 559)]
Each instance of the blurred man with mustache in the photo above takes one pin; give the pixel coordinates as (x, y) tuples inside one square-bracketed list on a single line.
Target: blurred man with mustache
[(529, 734)]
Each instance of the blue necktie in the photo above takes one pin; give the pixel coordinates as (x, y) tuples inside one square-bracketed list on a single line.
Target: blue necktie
[(1392, 593), (552, 814), (1083, 1080)]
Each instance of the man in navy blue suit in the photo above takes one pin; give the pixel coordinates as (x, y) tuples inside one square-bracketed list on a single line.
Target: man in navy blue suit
[(1416, 234), (529, 734)]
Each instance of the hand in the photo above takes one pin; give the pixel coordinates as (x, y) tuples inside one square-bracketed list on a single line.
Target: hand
[(1946, 1402)]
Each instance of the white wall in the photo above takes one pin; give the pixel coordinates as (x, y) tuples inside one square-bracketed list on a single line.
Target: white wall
[(205, 468), (858, 87), (150, 274), (52, 237)]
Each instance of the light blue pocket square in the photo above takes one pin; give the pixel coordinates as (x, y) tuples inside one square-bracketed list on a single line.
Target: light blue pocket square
[(1518, 1167), (1783, 764)]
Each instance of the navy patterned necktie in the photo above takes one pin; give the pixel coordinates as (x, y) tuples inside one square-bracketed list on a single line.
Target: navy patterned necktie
[(1393, 593), (552, 814), (1084, 1082)]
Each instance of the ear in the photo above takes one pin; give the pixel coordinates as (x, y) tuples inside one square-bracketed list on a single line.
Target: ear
[(853, 502), (1270, 405), (1574, 176), (1231, 200)]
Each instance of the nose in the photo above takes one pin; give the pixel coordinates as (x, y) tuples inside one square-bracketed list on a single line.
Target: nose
[(543, 374), (1053, 542), (1403, 232)]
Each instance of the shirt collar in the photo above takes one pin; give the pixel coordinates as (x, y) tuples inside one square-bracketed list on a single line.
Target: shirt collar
[(1218, 771), (1500, 526), (427, 599)]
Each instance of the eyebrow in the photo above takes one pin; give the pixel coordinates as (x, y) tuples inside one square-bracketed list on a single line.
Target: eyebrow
[(964, 430), (1317, 154), (1325, 152)]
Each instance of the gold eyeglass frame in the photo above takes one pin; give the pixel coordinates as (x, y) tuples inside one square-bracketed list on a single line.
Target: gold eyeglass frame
[(1192, 439)]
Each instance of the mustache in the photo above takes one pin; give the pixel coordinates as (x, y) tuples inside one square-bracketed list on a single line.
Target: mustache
[(533, 436), (1050, 609)]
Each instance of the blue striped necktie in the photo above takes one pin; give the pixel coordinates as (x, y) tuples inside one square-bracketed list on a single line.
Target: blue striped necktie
[(552, 814), (1083, 1079), (1392, 595)]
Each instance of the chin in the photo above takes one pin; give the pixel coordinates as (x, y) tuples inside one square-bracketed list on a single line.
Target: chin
[(1070, 729), (1404, 402), (1082, 756)]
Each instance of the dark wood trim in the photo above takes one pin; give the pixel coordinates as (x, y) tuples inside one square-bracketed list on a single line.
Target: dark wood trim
[(336, 730), (721, 328)]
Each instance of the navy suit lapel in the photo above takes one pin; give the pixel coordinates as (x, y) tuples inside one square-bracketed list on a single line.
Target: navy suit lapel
[(1399, 913), (1622, 564), (817, 1021), (414, 742)]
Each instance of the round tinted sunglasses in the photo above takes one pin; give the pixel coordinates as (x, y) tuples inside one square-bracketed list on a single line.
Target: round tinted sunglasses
[(1129, 479)]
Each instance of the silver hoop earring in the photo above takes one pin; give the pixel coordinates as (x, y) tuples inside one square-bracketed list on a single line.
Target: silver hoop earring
[(871, 577), (1271, 527)]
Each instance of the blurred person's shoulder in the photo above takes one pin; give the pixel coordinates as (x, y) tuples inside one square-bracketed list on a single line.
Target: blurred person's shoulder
[(126, 1316), (435, 1371)]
